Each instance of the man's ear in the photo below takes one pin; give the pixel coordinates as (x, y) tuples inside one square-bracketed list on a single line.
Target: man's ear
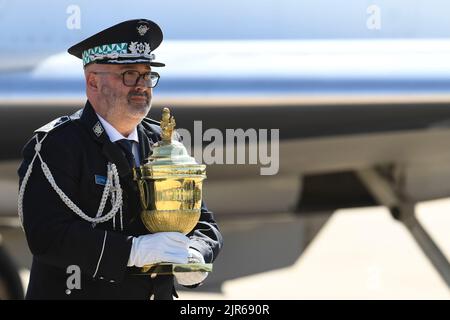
[(92, 81)]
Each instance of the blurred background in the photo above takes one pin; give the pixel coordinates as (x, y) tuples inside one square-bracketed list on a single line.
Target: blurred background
[(357, 204)]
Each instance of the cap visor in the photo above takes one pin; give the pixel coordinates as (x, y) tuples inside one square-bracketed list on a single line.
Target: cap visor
[(157, 64)]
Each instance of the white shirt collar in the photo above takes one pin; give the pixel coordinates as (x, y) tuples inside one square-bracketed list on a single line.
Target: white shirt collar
[(115, 135)]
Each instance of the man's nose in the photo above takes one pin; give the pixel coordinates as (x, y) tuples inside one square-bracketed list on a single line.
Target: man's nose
[(142, 83)]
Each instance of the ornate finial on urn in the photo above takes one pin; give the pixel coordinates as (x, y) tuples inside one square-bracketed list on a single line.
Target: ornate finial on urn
[(167, 126)]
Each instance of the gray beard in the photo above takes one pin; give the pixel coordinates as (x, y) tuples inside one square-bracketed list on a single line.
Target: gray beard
[(116, 104)]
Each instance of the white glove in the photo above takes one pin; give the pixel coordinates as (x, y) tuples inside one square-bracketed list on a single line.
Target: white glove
[(191, 278), (159, 247)]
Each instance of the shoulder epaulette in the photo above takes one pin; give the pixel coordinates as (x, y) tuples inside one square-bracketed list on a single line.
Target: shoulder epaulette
[(53, 125)]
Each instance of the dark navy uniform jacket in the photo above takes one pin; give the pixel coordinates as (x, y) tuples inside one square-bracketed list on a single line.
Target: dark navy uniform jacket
[(77, 153)]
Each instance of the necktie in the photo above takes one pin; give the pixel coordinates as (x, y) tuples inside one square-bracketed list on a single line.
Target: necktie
[(127, 147)]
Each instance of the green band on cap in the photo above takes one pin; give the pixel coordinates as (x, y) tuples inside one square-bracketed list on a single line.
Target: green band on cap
[(114, 48)]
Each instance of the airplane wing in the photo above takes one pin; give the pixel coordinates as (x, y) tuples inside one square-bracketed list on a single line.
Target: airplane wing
[(340, 106)]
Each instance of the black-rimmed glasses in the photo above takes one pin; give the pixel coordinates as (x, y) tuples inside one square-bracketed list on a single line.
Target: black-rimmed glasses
[(130, 78)]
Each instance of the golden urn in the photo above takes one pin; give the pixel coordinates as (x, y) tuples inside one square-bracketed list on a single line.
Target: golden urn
[(170, 184)]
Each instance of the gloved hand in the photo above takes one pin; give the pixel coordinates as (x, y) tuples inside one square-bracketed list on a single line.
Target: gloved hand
[(159, 247), (192, 278)]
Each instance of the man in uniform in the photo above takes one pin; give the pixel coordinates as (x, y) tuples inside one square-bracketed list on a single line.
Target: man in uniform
[(80, 206)]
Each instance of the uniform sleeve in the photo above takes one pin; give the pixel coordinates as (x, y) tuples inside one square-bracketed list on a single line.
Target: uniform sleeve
[(206, 237), (55, 234)]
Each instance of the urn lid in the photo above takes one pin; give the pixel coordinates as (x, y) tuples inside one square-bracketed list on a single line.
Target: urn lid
[(168, 151), (173, 153)]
